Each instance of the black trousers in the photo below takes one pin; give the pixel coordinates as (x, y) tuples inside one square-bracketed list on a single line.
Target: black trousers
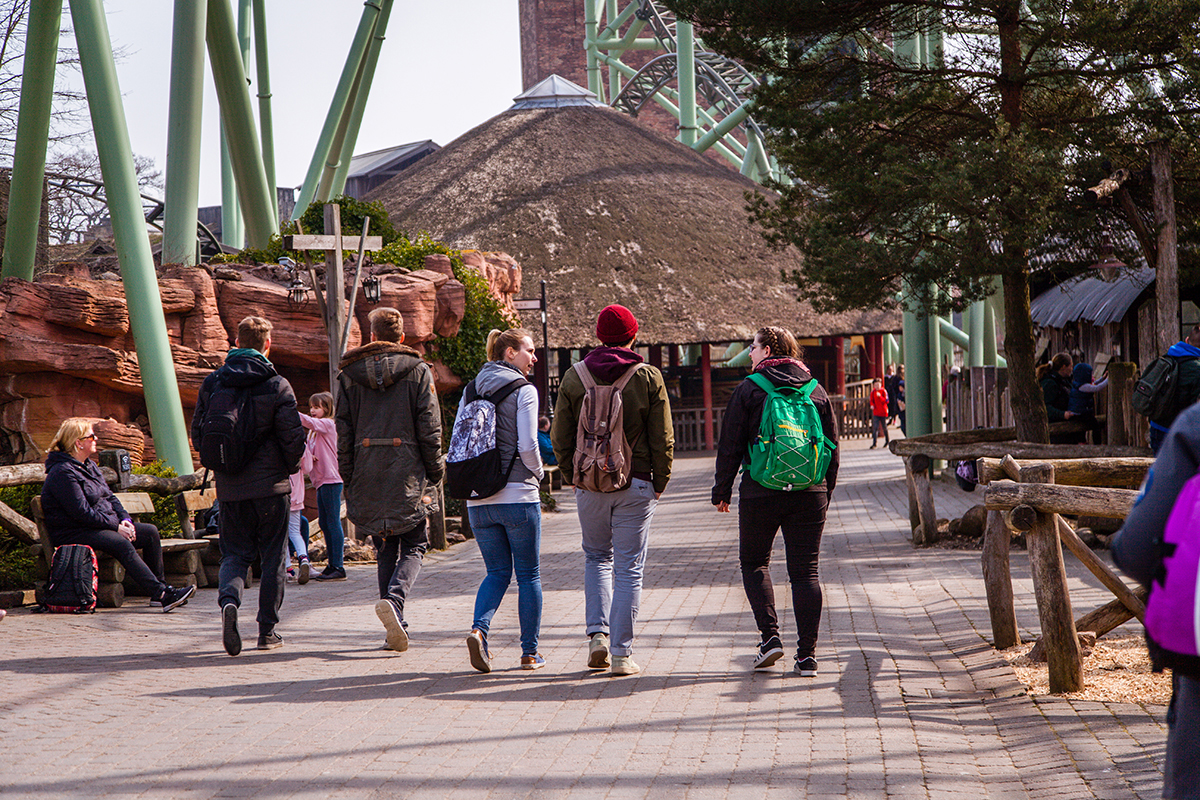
[(146, 570), (801, 517), (249, 529), (398, 563)]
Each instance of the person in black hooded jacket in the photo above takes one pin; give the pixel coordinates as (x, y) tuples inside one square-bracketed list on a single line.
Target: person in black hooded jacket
[(254, 501), (79, 508), (762, 511)]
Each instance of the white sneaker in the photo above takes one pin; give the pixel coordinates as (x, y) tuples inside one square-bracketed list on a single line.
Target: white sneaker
[(397, 637), (624, 665), (598, 652)]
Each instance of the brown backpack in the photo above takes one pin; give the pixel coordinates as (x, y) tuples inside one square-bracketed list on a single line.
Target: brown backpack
[(603, 457)]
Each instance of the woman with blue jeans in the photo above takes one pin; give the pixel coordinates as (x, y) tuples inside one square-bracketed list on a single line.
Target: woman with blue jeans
[(508, 524)]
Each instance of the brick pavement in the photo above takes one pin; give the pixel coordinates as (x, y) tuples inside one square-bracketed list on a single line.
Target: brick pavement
[(910, 701)]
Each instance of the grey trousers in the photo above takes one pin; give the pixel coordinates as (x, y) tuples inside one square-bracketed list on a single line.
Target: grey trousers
[(616, 533)]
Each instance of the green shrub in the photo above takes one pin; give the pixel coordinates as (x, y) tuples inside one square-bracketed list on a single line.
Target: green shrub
[(164, 517), (352, 212), (17, 566)]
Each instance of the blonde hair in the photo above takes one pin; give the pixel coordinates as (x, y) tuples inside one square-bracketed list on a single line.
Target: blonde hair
[(782, 343), (71, 431), (322, 400), (499, 342), (387, 325), (253, 332)]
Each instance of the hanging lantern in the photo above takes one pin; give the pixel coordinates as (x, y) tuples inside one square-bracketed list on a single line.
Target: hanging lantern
[(297, 294), (372, 289), (1109, 266)]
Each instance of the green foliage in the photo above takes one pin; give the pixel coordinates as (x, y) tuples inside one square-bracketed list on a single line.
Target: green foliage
[(410, 253), (465, 353), (17, 566), (164, 517), (548, 501), (352, 212)]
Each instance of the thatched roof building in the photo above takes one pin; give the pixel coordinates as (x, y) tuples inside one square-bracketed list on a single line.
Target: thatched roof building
[(607, 211)]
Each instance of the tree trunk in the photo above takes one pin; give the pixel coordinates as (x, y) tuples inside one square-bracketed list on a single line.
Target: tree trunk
[(1028, 407)]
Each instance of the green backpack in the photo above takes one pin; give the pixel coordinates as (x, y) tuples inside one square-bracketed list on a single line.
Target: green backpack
[(791, 451)]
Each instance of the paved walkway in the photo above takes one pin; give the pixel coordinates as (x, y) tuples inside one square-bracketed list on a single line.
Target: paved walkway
[(910, 700)]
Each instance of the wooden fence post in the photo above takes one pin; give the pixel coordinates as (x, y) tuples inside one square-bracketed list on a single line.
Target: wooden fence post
[(917, 474), (1063, 655), (997, 579), (1120, 396)]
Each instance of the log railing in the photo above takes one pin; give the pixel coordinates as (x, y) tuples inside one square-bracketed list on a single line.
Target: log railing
[(1030, 498)]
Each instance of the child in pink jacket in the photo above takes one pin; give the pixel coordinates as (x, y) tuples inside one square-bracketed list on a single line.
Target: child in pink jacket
[(322, 444), (296, 534)]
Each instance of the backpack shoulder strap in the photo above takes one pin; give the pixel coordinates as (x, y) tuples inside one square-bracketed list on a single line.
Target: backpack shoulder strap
[(585, 375), (763, 383), (497, 397), (624, 380)]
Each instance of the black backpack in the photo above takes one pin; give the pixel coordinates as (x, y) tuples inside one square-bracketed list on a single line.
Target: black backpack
[(227, 431), (73, 582), (473, 466), (1154, 393)]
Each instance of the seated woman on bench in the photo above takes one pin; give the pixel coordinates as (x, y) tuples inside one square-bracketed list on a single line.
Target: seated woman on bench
[(79, 508)]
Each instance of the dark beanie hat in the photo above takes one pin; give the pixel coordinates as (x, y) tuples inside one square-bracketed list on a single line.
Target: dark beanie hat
[(616, 325)]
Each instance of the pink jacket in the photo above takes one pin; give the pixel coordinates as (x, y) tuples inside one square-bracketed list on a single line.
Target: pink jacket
[(322, 444), (297, 497)]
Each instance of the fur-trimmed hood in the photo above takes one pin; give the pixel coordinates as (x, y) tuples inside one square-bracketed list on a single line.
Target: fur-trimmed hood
[(378, 365)]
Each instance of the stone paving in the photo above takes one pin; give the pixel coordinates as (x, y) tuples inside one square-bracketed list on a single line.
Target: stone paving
[(910, 700)]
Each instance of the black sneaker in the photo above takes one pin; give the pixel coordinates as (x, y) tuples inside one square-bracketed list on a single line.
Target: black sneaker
[(174, 597), (330, 575), (269, 641), (233, 640), (806, 667), (768, 653)]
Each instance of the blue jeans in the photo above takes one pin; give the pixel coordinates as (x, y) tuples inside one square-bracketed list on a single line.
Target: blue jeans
[(509, 536), (616, 535), (329, 514), (298, 533)]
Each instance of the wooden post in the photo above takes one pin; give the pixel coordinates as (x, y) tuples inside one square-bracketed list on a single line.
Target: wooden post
[(839, 364), (1166, 281), (1063, 655), (706, 390), (997, 579), (335, 291), (656, 356), (914, 513), (1120, 399), (673, 356), (926, 532)]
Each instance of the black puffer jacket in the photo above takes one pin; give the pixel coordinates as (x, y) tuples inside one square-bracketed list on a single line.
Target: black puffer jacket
[(277, 424), (740, 425), (389, 431), (76, 498)]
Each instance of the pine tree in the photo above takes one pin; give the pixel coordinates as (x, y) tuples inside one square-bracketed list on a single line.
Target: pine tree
[(924, 169)]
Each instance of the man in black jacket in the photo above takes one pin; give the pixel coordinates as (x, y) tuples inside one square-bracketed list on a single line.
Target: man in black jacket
[(254, 500)]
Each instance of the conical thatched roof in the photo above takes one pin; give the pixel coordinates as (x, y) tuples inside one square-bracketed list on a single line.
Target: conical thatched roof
[(606, 211)]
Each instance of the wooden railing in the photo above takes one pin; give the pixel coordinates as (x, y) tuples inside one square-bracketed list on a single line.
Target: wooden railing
[(689, 428), (853, 416)]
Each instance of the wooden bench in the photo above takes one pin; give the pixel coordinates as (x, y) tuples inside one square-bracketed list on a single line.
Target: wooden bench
[(552, 480), (181, 557)]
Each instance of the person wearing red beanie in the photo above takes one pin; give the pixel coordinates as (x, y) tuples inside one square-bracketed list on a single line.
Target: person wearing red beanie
[(616, 525)]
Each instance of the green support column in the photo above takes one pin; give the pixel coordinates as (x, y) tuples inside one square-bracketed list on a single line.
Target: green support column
[(237, 118), (685, 55), (33, 130), (185, 103), (330, 169), (361, 93), (893, 353), (159, 382), (976, 327), (232, 232), (590, 30), (337, 106), (262, 76), (614, 77), (933, 331), (916, 373), (993, 320)]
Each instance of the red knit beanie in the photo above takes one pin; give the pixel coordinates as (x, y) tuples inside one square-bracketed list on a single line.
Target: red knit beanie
[(616, 325)]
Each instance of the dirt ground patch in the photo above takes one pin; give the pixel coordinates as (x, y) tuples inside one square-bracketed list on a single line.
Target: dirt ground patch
[(1116, 671)]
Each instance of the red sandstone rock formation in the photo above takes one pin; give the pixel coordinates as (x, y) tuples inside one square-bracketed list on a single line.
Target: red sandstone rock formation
[(66, 348)]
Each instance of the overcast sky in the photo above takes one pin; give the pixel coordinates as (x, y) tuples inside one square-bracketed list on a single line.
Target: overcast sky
[(445, 67)]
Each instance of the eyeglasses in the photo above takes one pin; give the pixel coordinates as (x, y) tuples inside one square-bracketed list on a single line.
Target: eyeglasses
[(91, 436)]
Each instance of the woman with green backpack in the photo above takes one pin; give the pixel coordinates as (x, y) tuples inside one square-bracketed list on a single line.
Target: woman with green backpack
[(779, 427)]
